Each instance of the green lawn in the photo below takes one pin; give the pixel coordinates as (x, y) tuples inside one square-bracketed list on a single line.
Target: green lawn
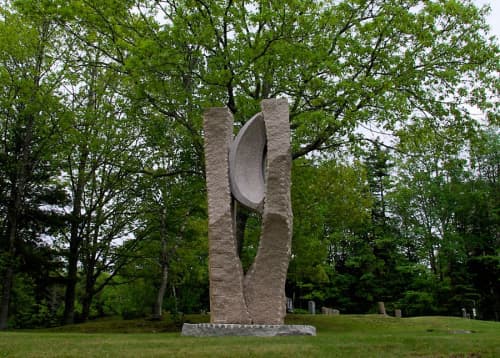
[(338, 336)]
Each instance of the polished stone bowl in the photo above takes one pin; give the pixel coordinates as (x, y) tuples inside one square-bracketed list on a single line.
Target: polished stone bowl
[(247, 158)]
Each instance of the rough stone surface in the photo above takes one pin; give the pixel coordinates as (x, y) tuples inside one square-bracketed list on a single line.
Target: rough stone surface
[(227, 303), (259, 296), (264, 284), (206, 329), (246, 169)]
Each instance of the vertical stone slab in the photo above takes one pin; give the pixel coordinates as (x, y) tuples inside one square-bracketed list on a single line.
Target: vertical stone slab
[(311, 306), (381, 308), (265, 281), (227, 302)]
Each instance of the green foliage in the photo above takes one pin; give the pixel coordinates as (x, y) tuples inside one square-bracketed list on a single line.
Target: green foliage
[(28, 309), (102, 150), (328, 213), (129, 300)]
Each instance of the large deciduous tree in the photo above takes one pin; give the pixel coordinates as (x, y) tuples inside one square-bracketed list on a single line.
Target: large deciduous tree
[(101, 163), (342, 64), (31, 118)]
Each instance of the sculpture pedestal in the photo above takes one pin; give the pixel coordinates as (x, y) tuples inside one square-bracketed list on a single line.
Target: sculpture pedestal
[(256, 330)]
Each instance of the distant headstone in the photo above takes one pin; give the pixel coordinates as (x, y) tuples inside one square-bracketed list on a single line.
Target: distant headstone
[(397, 313), (381, 308), (329, 311), (464, 313), (312, 307)]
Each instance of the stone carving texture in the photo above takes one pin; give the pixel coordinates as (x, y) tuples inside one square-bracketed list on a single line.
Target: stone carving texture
[(227, 303), (259, 296)]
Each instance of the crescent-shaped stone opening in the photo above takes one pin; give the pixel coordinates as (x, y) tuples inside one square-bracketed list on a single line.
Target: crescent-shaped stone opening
[(247, 164)]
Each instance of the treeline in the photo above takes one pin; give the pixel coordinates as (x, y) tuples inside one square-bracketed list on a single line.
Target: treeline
[(102, 194), (418, 232)]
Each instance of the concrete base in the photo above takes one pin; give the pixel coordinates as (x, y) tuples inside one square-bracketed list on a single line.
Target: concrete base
[(256, 330)]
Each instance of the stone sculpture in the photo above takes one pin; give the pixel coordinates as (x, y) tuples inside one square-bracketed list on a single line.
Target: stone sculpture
[(254, 169)]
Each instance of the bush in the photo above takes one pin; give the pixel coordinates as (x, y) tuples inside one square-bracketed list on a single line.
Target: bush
[(418, 303)]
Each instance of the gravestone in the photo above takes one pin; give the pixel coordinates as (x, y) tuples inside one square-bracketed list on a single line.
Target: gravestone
[(329, 311), (311, 306), (252, 170), (381, 308), (397, 313)]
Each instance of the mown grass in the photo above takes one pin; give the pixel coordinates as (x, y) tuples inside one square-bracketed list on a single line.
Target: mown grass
[(338, 336)]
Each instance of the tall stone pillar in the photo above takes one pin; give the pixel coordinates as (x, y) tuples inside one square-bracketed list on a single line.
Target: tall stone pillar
[(260, 179), (227, 303), (265, 281)]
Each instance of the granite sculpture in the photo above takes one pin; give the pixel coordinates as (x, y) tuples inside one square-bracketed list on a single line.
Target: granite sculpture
[(254, 170)]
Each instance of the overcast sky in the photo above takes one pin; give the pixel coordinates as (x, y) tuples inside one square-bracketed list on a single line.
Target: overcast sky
[(494, 18)]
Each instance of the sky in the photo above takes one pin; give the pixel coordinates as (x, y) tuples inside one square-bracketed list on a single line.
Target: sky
[(494, 17)]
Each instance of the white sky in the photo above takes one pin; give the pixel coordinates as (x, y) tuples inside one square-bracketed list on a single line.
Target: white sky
[(494, 17)]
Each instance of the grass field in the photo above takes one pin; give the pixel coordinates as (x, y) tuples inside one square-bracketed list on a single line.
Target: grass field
[(338, 336)]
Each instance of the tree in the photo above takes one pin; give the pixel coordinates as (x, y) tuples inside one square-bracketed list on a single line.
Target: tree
[(102, 162), (382, 235), (478, 221), (162, 139), (172, 201), (446, 209), (342, 64), (331, 210), (30, 119)]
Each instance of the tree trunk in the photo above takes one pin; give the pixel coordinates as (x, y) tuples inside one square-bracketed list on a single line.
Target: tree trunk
[(71, 280), (90, 291), (7, 286), (12, 224), (86, 303), (158, 306), (12, 218), (240, 225), (432, 261), (74, 243)]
